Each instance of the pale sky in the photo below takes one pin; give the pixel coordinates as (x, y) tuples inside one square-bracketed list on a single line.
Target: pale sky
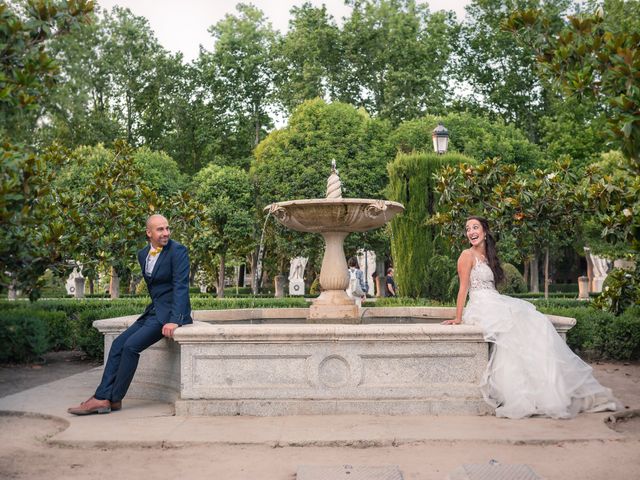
[(182, 25)]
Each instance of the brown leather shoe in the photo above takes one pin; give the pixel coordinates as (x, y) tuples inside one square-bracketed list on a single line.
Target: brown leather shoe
[(115, 406), (93, 405)]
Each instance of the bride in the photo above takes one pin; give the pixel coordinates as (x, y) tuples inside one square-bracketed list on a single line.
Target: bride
[(531, 370)]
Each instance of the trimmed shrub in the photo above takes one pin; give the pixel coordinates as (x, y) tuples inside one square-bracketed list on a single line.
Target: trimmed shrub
[(68, 323), (540, 295), (558, 303), (88, 338), (513, 280), (476, 136), (600, 334), (60, 331), (23, 335), (564, 288), (402, 302), (623, 336)]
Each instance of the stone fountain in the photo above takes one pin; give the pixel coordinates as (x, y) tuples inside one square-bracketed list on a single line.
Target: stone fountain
[(327, 359), (334, 218)]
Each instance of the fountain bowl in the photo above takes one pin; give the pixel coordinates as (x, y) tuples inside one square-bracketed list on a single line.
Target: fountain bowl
[(334, 219), (346, 215)]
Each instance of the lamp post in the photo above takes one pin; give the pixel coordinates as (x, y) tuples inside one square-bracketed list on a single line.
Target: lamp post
[(440, 136)]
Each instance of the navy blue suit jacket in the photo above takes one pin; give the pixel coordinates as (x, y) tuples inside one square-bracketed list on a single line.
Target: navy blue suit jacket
[(168, 284)]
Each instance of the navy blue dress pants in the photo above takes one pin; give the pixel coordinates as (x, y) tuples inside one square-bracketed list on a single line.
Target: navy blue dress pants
[(124, 355)]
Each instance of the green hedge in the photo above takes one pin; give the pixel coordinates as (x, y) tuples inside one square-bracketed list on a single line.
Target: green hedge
[(29, 330), (558, 302), (26, 334), (404, 302), (600, 334), (513, 282), (539, 295), (564, 288)]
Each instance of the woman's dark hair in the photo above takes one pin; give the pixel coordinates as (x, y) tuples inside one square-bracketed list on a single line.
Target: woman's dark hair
[(353, 262), (492, 253)]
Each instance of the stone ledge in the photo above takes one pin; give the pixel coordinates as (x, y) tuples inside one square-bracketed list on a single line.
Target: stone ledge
[(277, 407), (206, 333)]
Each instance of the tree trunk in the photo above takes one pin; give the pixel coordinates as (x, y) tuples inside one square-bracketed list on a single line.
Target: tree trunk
[(91, 286), (242, 271), (534, 287), (254, 269), (114, 284), (257, 139), (129, 119), (256, 113), (546, 273), (526, 273), (221, 277)]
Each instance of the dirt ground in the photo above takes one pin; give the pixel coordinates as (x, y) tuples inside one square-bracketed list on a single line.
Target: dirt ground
[(25, 455)]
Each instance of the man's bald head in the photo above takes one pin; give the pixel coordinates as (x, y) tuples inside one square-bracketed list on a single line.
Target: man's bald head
[(158, 230), (154, 218)]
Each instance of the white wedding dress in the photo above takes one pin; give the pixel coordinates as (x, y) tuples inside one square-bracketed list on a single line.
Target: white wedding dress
[(531, 369)]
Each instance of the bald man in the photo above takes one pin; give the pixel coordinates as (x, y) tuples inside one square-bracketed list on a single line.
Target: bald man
[(165, 267)]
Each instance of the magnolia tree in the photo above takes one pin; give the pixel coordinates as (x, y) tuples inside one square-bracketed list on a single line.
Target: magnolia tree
[(109, 200), (224, 203), (530, 210), (32, 223), (596, 57)]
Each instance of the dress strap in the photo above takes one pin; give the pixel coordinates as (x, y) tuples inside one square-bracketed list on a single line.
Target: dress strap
[(477, 259)]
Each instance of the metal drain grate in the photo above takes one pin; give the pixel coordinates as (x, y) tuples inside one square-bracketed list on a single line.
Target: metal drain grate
[(494, 472), (348, 472)]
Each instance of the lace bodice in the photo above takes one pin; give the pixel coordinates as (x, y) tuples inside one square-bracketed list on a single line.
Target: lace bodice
[(481, 277)]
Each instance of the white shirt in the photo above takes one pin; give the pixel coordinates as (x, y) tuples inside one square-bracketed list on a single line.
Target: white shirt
[(151, 261)]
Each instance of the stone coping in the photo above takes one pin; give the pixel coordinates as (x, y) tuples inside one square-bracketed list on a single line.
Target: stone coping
[(200, 330), (204, 332)]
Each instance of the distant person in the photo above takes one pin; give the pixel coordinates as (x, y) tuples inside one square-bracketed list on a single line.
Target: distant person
[(357, 288), (391, 289), (165, 266), (531, 370), (376, 285)]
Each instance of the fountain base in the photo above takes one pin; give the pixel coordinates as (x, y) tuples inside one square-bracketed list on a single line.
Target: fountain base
[(334, 305), (265, 362)]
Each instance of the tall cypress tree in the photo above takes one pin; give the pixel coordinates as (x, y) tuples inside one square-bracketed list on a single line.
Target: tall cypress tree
[(421, 257)]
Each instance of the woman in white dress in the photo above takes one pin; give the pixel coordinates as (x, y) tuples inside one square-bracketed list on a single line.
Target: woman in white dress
[(531, 370)]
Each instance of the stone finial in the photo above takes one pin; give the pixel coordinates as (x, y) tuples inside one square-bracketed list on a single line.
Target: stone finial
[(334, 186)]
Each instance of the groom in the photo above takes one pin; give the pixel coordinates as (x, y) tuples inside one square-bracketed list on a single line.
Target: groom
[(165, 266)]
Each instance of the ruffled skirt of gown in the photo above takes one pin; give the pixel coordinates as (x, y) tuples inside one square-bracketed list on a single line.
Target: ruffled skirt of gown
[(531, 370)]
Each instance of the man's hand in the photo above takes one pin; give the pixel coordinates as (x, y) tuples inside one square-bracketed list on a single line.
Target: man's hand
[(168, 328)]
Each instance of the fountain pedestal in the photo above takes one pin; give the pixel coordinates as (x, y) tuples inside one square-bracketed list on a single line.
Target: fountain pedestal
[(334, 303)]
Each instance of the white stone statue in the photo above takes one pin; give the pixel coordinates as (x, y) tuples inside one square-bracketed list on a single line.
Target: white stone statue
[(75, 282), (296, 275), (201, 281), (367, 262), (599, 268)]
